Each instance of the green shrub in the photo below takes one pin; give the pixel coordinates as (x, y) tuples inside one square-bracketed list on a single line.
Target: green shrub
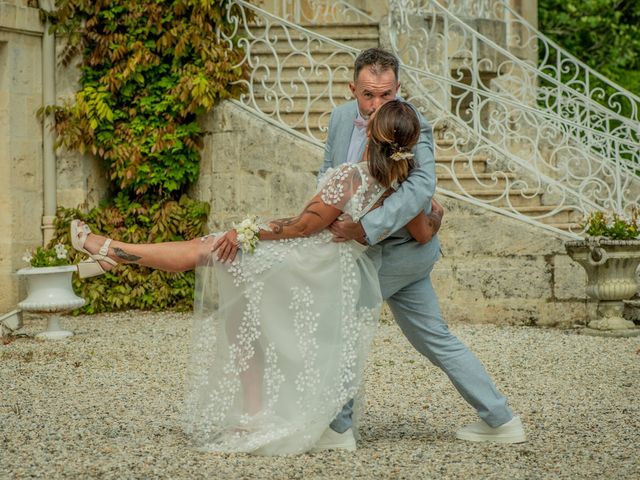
[(149, 69), (132, 286)]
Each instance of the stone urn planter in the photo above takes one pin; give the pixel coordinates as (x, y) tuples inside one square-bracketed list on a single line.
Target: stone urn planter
[(50, 294), (610, 266)]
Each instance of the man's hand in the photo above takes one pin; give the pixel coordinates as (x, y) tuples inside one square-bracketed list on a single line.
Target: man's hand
[(435, 217), (227, 246), (345, 230)]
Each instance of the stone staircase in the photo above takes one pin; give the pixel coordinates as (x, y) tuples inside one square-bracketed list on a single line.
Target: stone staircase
[(302, 98)]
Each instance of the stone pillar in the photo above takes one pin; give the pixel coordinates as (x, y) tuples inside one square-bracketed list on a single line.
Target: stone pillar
[(20, 142), (528, 9)]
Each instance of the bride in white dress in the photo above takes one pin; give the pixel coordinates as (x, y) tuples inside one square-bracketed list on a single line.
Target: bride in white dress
[(281, 335)]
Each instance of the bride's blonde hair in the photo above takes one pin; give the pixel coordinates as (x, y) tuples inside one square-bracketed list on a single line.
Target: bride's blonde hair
[(393, 132)]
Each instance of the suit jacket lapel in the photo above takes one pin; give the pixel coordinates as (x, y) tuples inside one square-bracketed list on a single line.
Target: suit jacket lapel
[(345, 129)]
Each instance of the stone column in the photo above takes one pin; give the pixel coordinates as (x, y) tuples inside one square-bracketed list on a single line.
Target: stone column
[(20, 142), (528, 9)]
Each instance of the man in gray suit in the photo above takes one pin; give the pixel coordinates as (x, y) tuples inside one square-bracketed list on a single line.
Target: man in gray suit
[(405, 265)]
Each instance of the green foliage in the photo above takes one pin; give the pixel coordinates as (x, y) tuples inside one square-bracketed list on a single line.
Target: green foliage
[(617, 227), (54, 256), (149, 69), (132, 286), (604, 34)]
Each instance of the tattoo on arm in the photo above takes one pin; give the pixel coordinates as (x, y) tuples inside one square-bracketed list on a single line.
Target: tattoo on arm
[(279, 224), (128, 257)]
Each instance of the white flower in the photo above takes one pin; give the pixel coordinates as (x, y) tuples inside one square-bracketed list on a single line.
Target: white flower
[(28, 256), (61, 251), (247, 231)]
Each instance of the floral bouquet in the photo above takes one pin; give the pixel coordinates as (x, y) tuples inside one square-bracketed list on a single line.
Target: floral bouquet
[(48, 257), (247, 231)]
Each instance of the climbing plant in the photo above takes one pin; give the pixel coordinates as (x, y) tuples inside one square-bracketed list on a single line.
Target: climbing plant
[(149, 68)]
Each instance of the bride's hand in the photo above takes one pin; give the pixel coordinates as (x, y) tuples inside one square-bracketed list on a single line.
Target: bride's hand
[(226, 245)]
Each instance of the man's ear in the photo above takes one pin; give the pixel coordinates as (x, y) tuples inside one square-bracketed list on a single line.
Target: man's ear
[(352, 87), (397, 88)]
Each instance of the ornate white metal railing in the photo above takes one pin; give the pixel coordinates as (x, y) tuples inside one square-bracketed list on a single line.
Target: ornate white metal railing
[(295, 76), (497, 152), (554, 61), (486, 84), (420, 30), (534, 47)]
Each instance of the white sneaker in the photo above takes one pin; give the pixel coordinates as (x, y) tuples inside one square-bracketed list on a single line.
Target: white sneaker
[(510, 432), (332, 440)]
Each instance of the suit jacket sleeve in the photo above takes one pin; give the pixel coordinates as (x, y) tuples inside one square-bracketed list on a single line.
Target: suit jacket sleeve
[(328, 147), (413, 195)]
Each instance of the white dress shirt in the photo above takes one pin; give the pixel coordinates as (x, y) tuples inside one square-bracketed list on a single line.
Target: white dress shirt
[(356, 145)]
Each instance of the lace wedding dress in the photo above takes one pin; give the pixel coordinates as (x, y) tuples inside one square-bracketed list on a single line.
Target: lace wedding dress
[(281, 336)]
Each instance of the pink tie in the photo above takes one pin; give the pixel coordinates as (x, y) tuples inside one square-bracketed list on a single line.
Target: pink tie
[(361, 123)]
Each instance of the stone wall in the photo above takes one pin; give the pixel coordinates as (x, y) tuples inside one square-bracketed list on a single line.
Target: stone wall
[(20, 142), (82, 182), (500, 270), (251, 167)]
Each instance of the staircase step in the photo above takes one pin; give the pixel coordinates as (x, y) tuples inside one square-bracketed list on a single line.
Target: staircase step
[(296, 60), (292, 75), (459, 163), (299, 86), (300, 44), (473, 181), (564, 216), (298, 104), (315, 117), (517, 197), (337, 32), (299, 40), (283, 48)]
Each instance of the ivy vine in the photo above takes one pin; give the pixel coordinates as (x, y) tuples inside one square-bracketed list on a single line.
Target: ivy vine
[(149, 68)]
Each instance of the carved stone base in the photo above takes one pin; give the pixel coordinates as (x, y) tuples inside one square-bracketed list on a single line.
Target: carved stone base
[(610, 317), (611, 323), (632, 332)]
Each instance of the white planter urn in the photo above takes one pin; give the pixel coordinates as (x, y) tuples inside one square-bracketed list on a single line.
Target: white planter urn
[(50, 293), (611, 278)]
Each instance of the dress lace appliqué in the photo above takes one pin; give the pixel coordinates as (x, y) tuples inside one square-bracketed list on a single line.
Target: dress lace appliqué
[(280, 337)]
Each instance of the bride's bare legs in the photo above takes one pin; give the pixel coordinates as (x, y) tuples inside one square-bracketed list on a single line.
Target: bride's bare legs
[(252, 384), (168, 256)]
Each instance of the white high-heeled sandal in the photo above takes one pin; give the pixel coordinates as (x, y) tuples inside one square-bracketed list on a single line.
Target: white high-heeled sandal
[(91, 267)]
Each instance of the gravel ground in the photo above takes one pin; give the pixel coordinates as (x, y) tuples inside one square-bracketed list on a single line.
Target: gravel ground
[(105, 404)]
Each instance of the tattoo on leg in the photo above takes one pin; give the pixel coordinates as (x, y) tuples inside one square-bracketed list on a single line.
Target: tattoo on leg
[(128, 257)]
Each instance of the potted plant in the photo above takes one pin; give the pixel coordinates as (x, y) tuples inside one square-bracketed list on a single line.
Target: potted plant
[(610, 254), (49, 287)]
